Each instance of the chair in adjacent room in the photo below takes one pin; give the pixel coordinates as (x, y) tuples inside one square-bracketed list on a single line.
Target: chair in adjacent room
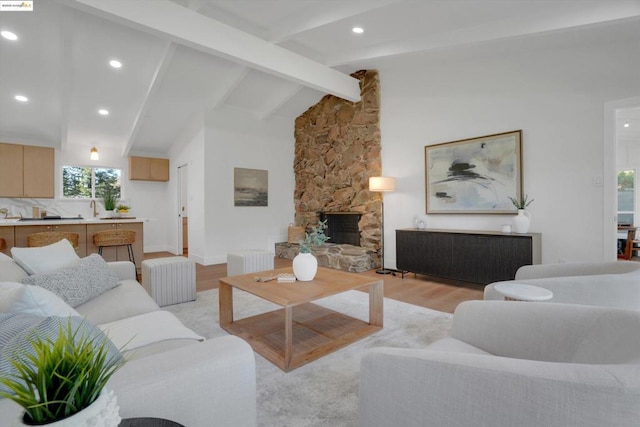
[(46, 238), (627, 248), (118, 237)]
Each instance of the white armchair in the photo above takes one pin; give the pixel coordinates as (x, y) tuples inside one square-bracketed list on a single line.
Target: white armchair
[(511, 364)]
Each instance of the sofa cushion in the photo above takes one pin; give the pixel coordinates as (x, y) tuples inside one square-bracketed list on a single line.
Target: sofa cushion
[(146, 329), (18, 330), (19, 298), (79, 283), (45, 259), (128, 299), (10, 271)]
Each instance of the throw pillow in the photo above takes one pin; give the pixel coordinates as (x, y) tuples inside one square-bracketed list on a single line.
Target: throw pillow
[(19, 298), (79, 283), (45, 259), (18, 329)]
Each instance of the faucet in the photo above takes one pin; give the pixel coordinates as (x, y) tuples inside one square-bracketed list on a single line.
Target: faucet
[(92, 204)]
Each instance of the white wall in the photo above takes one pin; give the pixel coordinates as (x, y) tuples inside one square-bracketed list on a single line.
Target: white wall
[(232, 139), (556, 95)]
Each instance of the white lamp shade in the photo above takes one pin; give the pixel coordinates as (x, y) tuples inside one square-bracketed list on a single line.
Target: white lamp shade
[(94, 154), (382, 183)]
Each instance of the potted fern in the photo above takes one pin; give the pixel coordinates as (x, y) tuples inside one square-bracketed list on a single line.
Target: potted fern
[(61, 381), (305, 265)]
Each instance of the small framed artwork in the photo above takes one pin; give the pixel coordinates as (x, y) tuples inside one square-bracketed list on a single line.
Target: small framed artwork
[(250, 187), (475, 175)]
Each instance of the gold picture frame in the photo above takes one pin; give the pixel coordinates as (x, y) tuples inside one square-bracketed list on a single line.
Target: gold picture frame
[(474, 175)]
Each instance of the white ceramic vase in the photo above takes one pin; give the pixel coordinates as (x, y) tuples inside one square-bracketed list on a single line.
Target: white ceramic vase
[(521, 222), (305, 267), (103, 412)]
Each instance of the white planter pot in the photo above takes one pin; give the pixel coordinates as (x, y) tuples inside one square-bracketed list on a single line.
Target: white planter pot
[(103, 412), (305, 267), (521, 222)]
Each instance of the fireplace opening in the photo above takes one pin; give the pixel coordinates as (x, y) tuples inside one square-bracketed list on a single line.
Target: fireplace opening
[(342, 227)]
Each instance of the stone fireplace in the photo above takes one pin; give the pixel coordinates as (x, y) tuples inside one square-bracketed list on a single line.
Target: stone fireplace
[(337, 149)]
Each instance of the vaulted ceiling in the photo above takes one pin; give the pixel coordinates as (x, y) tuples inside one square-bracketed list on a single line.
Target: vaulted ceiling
[(266, 58)]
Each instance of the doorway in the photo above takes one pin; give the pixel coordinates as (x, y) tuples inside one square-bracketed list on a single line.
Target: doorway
[(621, 152), (183, 211)]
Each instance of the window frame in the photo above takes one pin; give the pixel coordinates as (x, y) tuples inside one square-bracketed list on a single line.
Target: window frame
[(93, 181)]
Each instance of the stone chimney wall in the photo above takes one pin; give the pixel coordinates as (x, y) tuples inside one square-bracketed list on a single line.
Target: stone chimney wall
[(337, 149)]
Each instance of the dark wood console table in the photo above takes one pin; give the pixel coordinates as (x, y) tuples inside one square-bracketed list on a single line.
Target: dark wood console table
[(466, 255)]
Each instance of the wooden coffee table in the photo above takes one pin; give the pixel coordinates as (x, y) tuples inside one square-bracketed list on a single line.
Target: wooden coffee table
[(301, 331)]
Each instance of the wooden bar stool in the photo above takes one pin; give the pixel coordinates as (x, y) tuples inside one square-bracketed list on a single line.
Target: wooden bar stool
[(45, 238), (115, 238), (3, 244)]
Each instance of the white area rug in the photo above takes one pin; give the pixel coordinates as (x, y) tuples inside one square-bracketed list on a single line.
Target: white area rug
[(323, 392)]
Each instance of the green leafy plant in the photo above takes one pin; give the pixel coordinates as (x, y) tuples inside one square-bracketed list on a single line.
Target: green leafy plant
[(109, 199), (61, 376), (315, 238), (521, 203)]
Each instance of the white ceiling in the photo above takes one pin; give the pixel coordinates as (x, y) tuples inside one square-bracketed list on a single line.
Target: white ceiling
[(264, 57)]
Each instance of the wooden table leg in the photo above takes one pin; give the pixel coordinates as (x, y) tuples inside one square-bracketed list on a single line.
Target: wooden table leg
[(376, 298), (288, 336), (225, 301)]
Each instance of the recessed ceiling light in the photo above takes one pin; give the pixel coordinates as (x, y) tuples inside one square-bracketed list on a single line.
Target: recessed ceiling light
[(626, 125), (21, 98), (103, 112), (115, 63), (357, 30), (8, 35)]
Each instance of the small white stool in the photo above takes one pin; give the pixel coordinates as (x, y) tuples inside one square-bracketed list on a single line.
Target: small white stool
[(522, 292), (170, 280), (249, 261)]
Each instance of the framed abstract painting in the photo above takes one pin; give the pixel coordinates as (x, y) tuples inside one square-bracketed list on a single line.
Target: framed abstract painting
[(475, 175)]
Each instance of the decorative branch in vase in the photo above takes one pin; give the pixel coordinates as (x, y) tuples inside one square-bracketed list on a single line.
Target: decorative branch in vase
[(305, 265), (522, 221)]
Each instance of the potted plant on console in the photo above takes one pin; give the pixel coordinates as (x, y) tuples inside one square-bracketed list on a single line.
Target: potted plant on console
[(305, 265), (60, 380), (522, 221)]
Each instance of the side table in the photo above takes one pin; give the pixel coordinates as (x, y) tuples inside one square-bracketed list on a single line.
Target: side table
[(148, 422), (522, 292)]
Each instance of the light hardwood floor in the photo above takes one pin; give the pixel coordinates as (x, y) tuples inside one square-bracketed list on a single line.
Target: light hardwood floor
[(437, 294)]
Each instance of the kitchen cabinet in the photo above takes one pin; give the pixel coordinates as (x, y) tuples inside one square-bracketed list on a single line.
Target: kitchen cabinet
[(26, 171), (148, 169), (466, 255), (22, 232)]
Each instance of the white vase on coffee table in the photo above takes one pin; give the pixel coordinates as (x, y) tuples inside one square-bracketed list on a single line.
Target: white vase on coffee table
[(305, 266)]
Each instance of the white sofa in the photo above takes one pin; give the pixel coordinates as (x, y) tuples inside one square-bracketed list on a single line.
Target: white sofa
[(173, 376), (511, 364), (608, 284)]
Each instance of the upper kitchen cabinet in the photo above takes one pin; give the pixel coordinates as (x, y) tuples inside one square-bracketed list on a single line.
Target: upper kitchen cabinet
[(148, 169), (27, 171)]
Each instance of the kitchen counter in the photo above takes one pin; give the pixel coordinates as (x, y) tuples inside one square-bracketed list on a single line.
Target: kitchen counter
[(82, 221)]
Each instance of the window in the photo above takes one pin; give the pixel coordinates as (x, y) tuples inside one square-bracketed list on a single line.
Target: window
[(79, 182), (626, 197)]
